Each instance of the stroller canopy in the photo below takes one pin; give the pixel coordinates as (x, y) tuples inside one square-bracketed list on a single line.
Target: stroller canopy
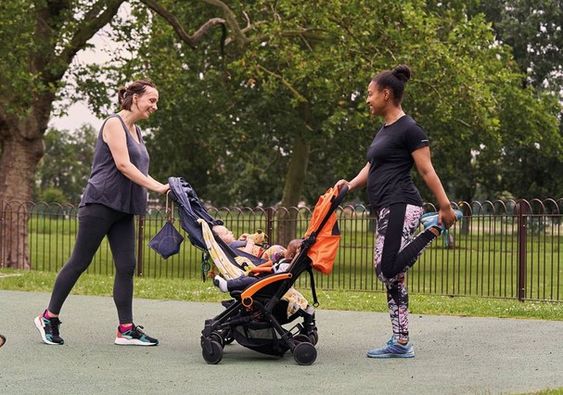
[(190, 209)]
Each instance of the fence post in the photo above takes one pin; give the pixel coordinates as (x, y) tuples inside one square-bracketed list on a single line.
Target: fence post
[(2, 233), (140, 242), (522, 250), (270, 224)]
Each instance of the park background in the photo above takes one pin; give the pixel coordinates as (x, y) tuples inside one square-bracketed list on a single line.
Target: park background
[(262, 105)]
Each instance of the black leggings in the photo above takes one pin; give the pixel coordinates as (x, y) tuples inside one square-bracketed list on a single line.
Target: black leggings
[(94, 222)]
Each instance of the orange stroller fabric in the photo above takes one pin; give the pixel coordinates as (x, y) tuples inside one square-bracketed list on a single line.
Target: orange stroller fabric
[(324, 249)]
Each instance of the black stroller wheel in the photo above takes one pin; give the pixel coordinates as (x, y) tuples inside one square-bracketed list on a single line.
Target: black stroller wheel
[(2, 340), (301, 338), (314, 336), (305, 353), (218, 338), (211, 351)]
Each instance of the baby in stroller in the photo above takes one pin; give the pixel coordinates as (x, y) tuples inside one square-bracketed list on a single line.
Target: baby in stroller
[(276, 264), (249, 243)]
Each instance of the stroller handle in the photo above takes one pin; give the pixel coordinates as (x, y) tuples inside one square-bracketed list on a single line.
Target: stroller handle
[(340, 198)]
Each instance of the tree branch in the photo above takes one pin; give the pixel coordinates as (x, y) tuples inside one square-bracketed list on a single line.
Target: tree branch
[(286, 83), (231, 21), (99, 15), (192, 40)]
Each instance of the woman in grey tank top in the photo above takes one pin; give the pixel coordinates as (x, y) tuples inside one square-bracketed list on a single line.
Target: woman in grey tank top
[(116, 191)]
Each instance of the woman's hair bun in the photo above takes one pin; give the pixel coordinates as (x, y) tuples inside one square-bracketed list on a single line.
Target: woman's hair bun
[(121, 94), (402, 72)]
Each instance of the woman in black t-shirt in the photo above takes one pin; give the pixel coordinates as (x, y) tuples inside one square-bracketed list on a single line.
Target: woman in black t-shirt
[(397, 146)]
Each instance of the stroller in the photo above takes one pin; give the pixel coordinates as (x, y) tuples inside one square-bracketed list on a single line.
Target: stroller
[(255, 316)]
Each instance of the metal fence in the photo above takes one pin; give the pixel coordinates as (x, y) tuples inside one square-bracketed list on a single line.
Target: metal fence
[(503, 249)]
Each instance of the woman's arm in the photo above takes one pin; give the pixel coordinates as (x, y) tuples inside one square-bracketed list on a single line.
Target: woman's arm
[(424, 166), (115, 138), (359, 181)]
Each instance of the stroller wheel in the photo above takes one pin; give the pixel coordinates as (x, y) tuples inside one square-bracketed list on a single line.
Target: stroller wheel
[(314, 336), (211, 351), (304, 353), (301, 338), (218, 338)]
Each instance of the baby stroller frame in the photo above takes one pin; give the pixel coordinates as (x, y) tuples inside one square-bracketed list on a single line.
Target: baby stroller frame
[(255, 316)]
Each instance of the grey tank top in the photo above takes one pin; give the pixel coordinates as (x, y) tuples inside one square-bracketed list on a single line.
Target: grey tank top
[(107, 185)]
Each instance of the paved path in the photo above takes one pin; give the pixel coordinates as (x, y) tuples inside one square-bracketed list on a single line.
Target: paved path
[(454, 355)]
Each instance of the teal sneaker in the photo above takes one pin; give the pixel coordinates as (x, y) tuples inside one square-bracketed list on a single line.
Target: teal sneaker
[(134, 337), (49, 329), (430, 219), (392, 349)]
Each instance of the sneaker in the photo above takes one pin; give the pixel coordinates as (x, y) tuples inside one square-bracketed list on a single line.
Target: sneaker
[(430, 219), (134, 337), (49, 329), (392, 349)]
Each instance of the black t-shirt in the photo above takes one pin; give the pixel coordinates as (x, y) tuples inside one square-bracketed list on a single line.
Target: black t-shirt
[(389, 155)]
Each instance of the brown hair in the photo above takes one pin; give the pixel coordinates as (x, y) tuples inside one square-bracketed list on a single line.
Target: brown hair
[(125, 94), (394, 80)]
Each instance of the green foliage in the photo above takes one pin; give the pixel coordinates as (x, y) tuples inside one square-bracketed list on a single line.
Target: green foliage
[(228, 122), (52, 195), (533, 31), (66, 165)]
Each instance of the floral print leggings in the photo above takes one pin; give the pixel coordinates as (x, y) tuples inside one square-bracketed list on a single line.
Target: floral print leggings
[(396, 250)]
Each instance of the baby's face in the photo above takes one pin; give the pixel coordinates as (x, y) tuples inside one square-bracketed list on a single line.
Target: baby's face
[(225, 234)]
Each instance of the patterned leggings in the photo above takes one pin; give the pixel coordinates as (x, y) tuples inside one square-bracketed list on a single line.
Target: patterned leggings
[(396, 249)]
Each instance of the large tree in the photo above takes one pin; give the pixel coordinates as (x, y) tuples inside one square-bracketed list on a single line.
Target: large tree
[(287, 115), (38, 41)]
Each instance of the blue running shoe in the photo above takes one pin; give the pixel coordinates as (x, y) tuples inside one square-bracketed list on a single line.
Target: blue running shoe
[(392, 349), (430, 219)]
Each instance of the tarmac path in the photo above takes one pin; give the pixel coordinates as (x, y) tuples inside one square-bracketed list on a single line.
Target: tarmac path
[(454, 355)]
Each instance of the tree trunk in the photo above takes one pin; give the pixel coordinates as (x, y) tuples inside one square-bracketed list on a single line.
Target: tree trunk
[(18, 162), (294, 180)]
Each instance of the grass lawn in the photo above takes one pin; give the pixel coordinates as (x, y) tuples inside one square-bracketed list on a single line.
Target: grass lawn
[(196, 290)]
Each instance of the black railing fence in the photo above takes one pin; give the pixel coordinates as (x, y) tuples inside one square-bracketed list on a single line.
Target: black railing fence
[(503, 249)]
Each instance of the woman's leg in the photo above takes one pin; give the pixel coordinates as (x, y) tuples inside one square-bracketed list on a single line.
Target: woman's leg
[(94, 221), (397, 249), (398, 303), (395, 246), (121, 238), (390, 238)]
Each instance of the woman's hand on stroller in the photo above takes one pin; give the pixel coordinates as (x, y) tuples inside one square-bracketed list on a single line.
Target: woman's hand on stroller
[(165, 188), (340, 183)]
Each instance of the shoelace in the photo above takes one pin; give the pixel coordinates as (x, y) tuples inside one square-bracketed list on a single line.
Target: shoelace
[(137, 330), (54, 323)]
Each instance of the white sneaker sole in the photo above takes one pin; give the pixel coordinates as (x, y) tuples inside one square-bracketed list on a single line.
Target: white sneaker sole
[(39, 326), (120, 341)]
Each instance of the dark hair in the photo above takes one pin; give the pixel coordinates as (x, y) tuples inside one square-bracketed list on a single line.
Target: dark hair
[(394, 80), (125, 94)]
